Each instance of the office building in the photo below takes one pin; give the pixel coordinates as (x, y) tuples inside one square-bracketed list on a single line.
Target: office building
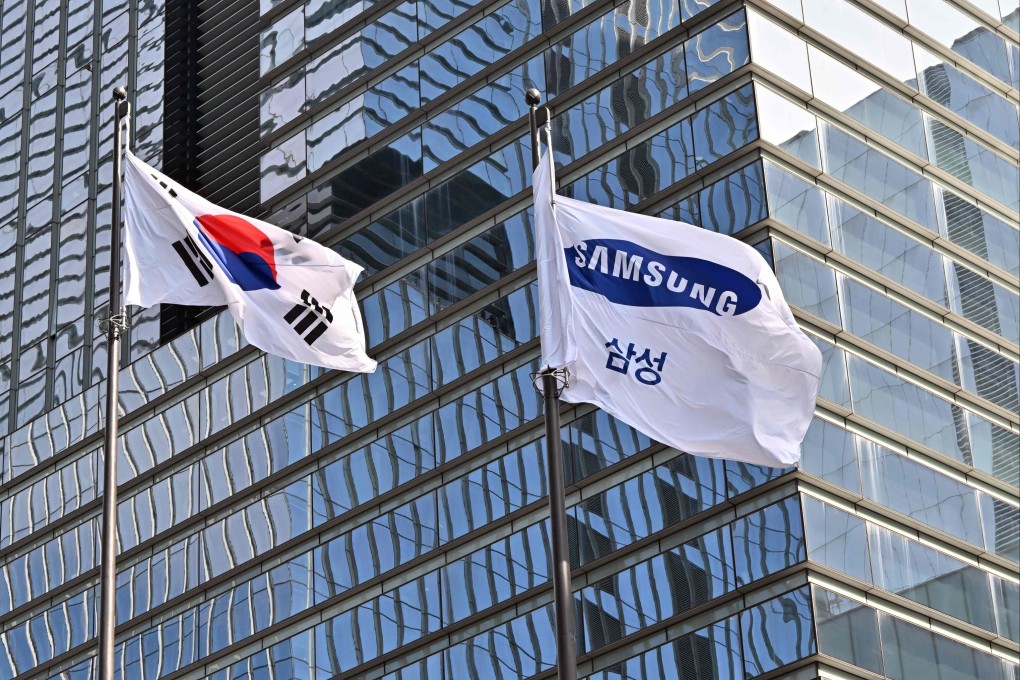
[(282, 521)]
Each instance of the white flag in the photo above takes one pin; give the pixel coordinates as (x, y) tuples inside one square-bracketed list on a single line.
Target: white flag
[(289, 295), (680, 332)]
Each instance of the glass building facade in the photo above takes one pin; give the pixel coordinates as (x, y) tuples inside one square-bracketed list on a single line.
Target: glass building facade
[(281, 521)]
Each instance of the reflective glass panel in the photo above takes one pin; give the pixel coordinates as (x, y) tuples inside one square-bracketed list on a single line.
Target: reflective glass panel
[(777, 632), (717, 51)]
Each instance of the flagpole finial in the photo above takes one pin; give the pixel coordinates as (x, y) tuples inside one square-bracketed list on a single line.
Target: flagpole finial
[(120, 93), (532, 97)]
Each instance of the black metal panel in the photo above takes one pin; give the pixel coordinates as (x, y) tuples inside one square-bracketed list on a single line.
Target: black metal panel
[(211, 129)]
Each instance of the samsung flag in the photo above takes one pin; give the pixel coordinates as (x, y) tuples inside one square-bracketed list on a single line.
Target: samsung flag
[(289, 295), (680, 332)]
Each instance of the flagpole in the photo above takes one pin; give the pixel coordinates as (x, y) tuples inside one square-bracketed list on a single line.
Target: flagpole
[(115, 326), (563, 600)]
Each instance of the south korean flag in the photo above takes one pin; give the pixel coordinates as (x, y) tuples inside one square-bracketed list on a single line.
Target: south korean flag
[(289, 295)]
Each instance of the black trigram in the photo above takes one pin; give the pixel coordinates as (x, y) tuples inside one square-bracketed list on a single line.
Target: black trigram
[(198, 264), (313, 311), (163, 184)]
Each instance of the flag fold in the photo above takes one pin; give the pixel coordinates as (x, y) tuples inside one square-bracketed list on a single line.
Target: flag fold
[(680, 332), (289, 295)]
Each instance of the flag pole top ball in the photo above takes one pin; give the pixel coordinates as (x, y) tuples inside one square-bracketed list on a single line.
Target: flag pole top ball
[(532, 97), (119, 93)]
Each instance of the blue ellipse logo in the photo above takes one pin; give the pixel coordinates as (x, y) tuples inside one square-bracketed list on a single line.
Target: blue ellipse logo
[(629, 274)]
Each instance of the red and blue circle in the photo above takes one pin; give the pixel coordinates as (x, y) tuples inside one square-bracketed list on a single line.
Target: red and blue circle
[(243, 251)]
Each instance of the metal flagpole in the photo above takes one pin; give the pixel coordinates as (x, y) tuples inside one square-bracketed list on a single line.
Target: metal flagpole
[(115, 326), (566, 645)]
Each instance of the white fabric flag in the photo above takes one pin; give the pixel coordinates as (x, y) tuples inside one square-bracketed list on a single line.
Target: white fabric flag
[(289, 295), (678, 331)]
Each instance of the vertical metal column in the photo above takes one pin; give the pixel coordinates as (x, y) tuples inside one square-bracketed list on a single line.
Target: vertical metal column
[(563, 601), (115, 326)]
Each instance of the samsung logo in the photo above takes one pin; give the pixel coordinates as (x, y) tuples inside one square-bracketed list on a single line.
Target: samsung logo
[(629, 274)]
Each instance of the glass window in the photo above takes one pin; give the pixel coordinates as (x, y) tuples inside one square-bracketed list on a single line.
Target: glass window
[(628, 102), (929, 577), (806, 282), (867, 102), (796, 202), (483, 260), (641, 171), (597, 440), (478, 188), (988, 374), (607, 39), (282, 101), (847, 630), (768, 540), (688, 211), (979, 232), (835, 384), (366, 181), (717, 51), (10, 164), (12, 63), (46, 23), (496, 573), (520, 648), (41, 131), (482, 43), (788, 126), (77, 126), (483, 495), (626, 602), (836, 539), (913, 652), (850, 160), (149, 91), (282, 40), (322, 17), (962, 34), (7, 304), (433, 14), (974, 101), (973, 163), (724, 126), (829, 452), (741, 477), (1006, 595), (484, 415), (984, 302), (35, 292), (481, 114), (888, 251), (689, 8), (924, 494), (337, 68), (916, 413), (338, 131), (898, 329), (712, 652), (684, 578), (633, 510), (283, 166), (388, 240), (734, 202), (862, 34), (469, 344), (394, 309), (779, 51), (777, 632)]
